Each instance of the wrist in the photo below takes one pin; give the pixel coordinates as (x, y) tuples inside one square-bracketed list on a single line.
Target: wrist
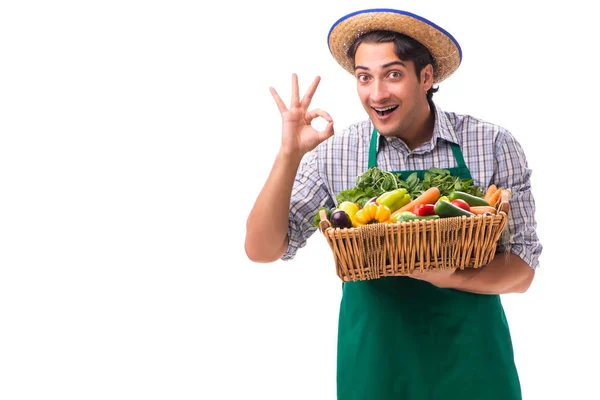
[(290, 158)]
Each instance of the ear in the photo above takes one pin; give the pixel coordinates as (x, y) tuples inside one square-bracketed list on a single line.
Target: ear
[(427, 77)]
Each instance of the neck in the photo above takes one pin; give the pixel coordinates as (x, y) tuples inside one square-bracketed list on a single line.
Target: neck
[(422, 130)]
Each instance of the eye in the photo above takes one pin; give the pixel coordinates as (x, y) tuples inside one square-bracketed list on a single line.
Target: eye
[(395, 75), (363, 78)]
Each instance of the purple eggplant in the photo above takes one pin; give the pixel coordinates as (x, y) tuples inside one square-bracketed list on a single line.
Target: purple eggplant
[(340, 219)]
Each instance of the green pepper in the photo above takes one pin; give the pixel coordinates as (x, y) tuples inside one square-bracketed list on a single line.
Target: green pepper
[(406, 216), (444, 209), (469, 198), (394, 199)]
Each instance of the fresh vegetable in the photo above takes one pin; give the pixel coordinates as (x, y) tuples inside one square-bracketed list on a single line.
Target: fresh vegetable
[(443, 180), (405, 216), (371, 213), (482, 210), (424, 209), (443, 198), (372, 200), (394, 199), (374, 182), (469, 198), (340, 219), (462, 204), (495, 198), (490, 192), (349, 207), (446, 209), (429, 196), (358, 195)]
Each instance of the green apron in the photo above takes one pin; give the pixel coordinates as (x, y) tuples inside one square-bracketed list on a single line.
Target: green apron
[(402, 338)]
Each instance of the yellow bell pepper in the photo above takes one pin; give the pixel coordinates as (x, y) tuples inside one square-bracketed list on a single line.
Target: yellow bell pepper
[(371, 213)]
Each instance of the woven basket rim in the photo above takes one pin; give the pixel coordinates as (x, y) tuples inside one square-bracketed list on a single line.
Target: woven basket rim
[(325, 224)]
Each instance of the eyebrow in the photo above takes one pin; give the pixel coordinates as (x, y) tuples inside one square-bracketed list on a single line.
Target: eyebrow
[(383, 66)]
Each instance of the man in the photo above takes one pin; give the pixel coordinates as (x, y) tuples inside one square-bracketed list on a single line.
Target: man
[(433, 335)]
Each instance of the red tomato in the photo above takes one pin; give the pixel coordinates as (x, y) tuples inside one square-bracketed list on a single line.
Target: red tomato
[(462, 204), (422, 210)]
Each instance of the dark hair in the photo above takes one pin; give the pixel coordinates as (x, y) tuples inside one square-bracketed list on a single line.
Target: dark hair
[(405, 47)]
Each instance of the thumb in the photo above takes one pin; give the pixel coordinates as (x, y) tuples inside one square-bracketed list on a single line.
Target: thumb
[(327, 132)]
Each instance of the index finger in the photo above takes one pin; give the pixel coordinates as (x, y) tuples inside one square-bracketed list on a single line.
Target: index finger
[(280, 103), (310, 92)]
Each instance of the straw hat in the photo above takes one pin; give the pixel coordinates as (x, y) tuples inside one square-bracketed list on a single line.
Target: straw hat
[(444, 49)]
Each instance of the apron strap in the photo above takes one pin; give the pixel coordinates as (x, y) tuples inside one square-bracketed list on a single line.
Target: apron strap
[(373, 149), (458, 156)]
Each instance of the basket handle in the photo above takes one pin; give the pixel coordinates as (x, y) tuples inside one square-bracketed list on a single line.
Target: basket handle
[(503, 202), (324, 223)]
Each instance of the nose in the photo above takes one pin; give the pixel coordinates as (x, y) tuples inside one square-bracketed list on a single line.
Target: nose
[(379, 93)]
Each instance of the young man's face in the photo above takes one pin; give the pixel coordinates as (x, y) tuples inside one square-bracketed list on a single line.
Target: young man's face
[(390, 91)]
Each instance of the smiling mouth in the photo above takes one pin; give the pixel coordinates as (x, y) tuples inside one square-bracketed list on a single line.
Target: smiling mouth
[(384, 111)]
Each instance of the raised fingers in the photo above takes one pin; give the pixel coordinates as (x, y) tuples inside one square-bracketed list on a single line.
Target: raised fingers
[(295, 91), (310, 92), (280, 103), (306, 99)]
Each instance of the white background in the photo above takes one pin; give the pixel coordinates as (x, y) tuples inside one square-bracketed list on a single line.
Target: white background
[(135, 137)]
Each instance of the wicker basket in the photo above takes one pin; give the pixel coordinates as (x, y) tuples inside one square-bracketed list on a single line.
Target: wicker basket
[(401, 248)]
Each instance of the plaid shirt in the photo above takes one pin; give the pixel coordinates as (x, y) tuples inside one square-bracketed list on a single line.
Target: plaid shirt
[(491, 153)]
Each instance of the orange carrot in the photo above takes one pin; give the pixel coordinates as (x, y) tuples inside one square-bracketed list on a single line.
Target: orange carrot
[(430, 196), (482, 209), (495, 197), (490, 192)]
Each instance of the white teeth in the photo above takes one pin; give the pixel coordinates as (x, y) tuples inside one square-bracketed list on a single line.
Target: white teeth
[(385, 109)]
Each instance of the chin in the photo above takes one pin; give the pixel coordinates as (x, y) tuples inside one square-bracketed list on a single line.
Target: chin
[(383, 132), (386, 129)]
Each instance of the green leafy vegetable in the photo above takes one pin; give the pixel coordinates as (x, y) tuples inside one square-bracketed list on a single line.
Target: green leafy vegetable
[(447, 183), (372, 183), (375, 182)]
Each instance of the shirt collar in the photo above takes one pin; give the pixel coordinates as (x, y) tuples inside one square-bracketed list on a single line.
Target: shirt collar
[(443, 128)]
